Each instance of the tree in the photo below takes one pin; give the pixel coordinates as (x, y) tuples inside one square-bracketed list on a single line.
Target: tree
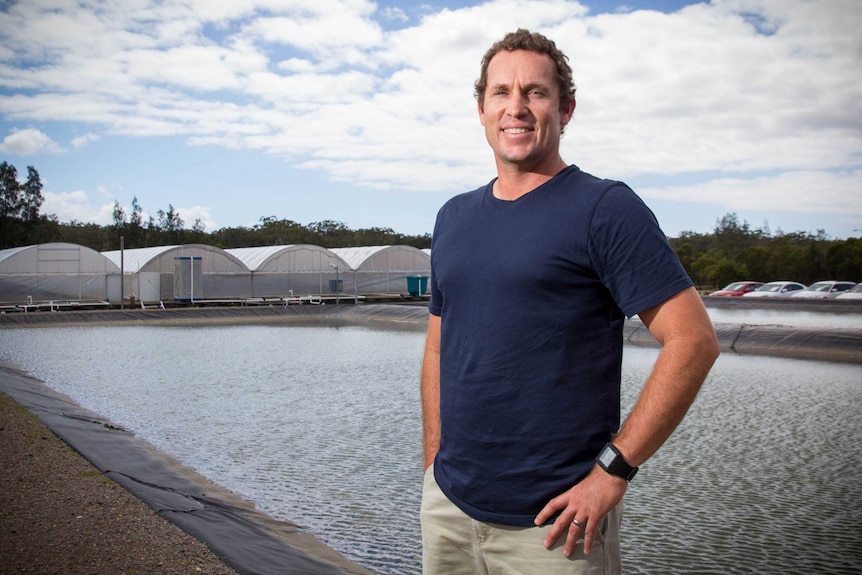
[(331, 234), (171, 224), (134, 230), (136, 219), (10, 204), (170, 221), (714, 269), (376, 237), (734, 238), (31, 196), (119, 216), (757, 262), (844, 259), (274, 232)]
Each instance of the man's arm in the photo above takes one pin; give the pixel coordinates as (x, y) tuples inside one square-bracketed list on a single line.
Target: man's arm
[(430, 391), (689, 348)]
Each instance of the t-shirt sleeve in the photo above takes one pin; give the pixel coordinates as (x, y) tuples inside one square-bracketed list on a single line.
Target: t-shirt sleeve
[(631, 253), (435, 303)]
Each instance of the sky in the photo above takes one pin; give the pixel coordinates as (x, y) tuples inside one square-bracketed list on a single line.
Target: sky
[(362, 112)]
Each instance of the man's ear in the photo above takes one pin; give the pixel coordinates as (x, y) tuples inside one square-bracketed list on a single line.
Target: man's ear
[(567, 113)]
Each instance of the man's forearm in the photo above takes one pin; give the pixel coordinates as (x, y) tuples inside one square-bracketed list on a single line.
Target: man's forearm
[(689, 348), (666, 398), (430, 392)]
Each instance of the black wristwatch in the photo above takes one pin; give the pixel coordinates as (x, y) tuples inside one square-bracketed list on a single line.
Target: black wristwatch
[(611, 460)]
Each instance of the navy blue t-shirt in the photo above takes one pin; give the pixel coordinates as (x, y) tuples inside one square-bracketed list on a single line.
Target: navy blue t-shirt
[(532, 295)]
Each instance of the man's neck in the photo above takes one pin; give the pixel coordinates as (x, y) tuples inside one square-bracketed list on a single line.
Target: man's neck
[(512, 182)]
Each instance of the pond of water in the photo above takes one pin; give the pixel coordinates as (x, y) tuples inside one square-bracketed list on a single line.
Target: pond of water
[(320, 426)]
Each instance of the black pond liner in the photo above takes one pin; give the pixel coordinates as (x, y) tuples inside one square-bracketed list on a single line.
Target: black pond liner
[(248, 540)]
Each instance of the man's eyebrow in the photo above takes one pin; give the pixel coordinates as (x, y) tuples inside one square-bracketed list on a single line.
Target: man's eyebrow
[(527, 87), (536, 85)]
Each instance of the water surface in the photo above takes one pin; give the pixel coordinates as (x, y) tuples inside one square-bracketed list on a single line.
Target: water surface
[(782, 317), (321, 426)]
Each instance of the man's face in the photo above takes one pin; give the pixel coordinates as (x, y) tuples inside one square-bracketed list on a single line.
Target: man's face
[(521, 111)]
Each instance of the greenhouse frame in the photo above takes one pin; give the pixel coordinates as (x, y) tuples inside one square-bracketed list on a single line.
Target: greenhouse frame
[(56, 272), (158, 273), (385, 269), (292, 270), (193, 272)]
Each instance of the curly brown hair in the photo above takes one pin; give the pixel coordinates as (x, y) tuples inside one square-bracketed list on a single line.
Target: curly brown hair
[(534, 42)]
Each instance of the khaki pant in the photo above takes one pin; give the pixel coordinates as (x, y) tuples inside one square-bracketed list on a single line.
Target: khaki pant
[(455, 544)]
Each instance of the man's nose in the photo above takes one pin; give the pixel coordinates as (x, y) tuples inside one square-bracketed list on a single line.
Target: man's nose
[(516, 104)]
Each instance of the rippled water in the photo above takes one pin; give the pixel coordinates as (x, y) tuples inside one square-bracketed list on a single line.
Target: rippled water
[(803, 319), (321, 427)]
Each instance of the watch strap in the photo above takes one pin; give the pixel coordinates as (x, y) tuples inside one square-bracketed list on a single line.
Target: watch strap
[(611, 460)]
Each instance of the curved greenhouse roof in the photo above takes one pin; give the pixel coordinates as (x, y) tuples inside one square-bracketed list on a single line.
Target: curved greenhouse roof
[(288, 258), (57, 271), (55, 258), (160, 258), (69, 271), (385, 258)]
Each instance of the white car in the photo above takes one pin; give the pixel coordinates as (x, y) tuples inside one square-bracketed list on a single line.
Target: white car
[(853, 293), (776, 289), (823, 290)]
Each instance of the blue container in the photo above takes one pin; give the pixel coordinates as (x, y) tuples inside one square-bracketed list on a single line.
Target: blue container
[(417, 285)]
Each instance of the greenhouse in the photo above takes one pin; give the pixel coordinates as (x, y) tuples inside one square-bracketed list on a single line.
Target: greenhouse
[(386, 269), (293, 270), (182, 273), (54, 272), (193, 272)]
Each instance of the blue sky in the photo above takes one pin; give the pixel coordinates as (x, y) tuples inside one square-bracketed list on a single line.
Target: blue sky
[(362, 112)]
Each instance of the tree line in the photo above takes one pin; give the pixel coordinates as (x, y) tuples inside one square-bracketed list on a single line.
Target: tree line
[(737, 251), (733, 251), (21, 224)]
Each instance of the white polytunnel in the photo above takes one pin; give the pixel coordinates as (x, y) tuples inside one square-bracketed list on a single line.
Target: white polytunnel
[(294, 270), (193, 272), (57, 271), (386, 269), (186, 272)]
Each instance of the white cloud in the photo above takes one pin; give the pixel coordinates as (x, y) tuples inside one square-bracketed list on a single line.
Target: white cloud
[(191, 214), (796, 191), (79, 206), (82, 141), (73, 206), (394, 13), (28, 142), (730, 87), (709, 92)]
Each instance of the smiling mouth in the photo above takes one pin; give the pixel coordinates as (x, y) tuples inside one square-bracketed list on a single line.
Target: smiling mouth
[(516, 130)]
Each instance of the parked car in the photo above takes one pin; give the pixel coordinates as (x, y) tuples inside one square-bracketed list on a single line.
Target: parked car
[(853, 293), (776, 289), (823, 290), (737, 289)]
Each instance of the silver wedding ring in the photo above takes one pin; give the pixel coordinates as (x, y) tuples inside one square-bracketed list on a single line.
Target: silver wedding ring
[(577, 523)]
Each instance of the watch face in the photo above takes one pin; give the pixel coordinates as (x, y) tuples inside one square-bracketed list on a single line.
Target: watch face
[(607, 456)]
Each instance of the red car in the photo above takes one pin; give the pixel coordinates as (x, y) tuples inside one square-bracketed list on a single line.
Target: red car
[(737, 289)]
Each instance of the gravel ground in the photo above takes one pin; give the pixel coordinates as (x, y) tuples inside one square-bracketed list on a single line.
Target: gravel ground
[(60, 515)]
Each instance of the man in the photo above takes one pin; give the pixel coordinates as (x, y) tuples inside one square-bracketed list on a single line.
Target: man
[(532, 277)]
